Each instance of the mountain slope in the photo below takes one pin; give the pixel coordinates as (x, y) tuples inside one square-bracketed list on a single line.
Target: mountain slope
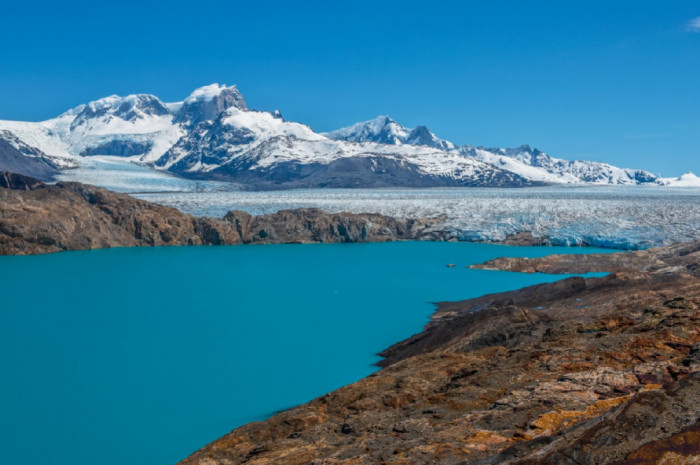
[(686, 180), (260, 150), (18, 157), (384, 130), (213, 134), (536, 165)]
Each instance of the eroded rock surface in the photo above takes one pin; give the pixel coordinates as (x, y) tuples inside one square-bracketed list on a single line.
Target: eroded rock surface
[(678, 257), (39, 218), (581, 371), (18, 181)]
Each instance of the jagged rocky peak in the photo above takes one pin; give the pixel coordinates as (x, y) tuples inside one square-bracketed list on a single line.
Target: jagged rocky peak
[(525, 153), (421, 135), (382, 130), (208, 102), (129, 108)]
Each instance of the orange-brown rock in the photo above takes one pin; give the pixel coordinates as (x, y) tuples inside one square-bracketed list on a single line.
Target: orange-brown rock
[(39, 218), (581, 371), (666, 259)]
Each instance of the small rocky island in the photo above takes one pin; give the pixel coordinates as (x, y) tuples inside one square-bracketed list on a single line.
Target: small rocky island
[(579, 371)]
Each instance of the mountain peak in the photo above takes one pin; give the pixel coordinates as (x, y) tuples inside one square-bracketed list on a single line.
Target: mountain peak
[(384, 130), (129, 108), (688, 179), (210, 92), (381, 129), (208, 102)]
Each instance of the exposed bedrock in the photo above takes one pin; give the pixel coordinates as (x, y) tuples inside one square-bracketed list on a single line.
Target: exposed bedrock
[(38, 218), (678, 257), (581, 371)]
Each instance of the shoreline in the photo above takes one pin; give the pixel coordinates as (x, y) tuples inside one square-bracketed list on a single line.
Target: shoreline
[(536, 375), (37, 218)]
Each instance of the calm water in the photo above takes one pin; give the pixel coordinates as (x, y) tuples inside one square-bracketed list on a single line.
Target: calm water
[(145, 355)]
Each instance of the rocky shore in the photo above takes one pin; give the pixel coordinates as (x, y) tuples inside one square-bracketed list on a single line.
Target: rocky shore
[(580, 371), (38, 218)]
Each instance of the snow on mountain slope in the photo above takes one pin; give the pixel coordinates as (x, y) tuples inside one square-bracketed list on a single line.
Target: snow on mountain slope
[(18, 157), (536, 165), (385, 130), (213, 134), (262, 149), (531, 164), (381, 129), (42, 136), (686, 180), (517, 166), (136, 125), (207, 103)]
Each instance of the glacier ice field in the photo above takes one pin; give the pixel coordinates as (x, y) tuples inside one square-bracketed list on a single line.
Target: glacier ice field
[(623, 217), (618, 217)]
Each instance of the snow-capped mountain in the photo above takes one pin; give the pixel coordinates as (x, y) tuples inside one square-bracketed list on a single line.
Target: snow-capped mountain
[(536, 165), (16, 156), (384, 130), (261, 150), (213, 134), (686, 180)]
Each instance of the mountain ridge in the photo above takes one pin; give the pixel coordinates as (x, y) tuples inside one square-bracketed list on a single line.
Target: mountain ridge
[(214, 134)]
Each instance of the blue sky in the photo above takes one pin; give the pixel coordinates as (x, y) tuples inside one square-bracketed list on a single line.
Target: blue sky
[(612, 81)]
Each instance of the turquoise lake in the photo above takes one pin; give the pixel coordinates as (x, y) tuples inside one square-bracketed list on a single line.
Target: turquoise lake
[(144, 355)]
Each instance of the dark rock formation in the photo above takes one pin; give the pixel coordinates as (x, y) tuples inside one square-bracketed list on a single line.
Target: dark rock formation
[(18, 157), (581, 371), (72, 216), (19, 182), (678, 257), (120, 148)]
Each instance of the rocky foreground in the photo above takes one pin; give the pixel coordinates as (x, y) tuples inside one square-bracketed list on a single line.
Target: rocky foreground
[(581, 371), (38, 218), (577, 372)]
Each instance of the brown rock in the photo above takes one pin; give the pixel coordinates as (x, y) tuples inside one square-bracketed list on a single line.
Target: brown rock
[(72, 216), (594, 371)]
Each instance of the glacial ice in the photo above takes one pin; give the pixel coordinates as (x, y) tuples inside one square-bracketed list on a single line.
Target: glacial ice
[(622, 217)]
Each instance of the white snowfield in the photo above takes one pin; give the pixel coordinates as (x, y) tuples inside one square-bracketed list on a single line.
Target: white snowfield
[(624, 217), (686, 180), (213, 128)]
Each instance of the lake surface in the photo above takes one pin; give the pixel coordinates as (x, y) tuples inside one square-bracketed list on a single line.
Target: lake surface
[(144, 355)]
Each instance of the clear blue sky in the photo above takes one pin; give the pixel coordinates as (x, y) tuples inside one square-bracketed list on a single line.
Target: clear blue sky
[(616, 81)]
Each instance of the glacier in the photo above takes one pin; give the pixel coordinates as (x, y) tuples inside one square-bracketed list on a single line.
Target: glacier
[(621, 217), (211, 153)]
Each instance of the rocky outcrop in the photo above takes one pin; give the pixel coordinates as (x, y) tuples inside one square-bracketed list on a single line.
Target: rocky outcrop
[(38, 218), (18, 182), (18, 157), (581, 371), (678, 257), (119, 148)]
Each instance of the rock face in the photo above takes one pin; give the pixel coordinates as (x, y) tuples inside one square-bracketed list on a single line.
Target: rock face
[(19, 182), (18, 157), (38, 218), (580, 371), (679, 257)]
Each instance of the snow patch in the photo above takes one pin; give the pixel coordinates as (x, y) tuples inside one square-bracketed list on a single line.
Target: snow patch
[(686, 180)]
